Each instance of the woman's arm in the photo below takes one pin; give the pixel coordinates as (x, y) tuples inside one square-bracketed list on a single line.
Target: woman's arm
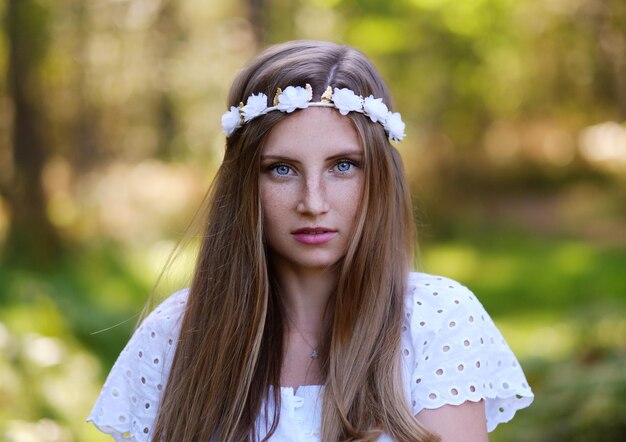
[(457, 423)]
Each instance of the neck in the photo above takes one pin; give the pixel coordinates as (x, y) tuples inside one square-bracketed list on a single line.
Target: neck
[(305, 294)]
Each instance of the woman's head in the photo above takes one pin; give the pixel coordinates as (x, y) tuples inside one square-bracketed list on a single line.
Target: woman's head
[(320, 65)]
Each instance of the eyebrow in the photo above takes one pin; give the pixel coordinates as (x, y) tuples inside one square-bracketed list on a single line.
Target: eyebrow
[(343, 154)]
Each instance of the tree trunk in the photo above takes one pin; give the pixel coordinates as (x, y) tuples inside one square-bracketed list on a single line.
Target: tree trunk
[(86, 150), (257, 19), (170, 34), (32, 240)]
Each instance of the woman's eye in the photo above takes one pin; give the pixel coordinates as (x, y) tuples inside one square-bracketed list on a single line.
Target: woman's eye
[(344, 166), (281, 169)]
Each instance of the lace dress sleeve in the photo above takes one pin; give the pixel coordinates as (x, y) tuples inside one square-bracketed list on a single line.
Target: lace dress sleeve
[(128, 402), (458, 354)]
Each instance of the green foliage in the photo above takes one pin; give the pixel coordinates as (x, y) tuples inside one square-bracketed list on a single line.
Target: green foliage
[(580, 391), (60, 332), (537, 271), (92, 290), (560, 304)]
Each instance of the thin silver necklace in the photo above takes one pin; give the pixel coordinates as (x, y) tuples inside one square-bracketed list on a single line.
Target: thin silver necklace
[(314, 353)]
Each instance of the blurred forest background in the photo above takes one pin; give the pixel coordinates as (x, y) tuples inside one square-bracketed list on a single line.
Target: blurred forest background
[(516, 151)]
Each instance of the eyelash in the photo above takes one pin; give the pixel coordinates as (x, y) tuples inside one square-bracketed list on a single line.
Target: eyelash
[(352, 163), (273, 167)]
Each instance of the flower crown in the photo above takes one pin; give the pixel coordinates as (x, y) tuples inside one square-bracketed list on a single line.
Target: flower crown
[(298, 97)]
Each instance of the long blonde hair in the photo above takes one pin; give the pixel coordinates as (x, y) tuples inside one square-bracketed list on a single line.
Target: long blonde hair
[(229, 354)]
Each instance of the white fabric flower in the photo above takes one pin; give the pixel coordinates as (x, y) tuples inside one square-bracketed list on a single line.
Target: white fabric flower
[(254, 107), (296, 97), (293, 98), (347, 101), (231, 120), (394, 126), (375, 109)]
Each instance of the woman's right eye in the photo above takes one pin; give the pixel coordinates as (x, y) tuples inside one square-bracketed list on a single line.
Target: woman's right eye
[(281, 169)]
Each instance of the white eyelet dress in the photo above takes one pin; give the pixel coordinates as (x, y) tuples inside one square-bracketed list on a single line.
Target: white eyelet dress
[(451, 349)]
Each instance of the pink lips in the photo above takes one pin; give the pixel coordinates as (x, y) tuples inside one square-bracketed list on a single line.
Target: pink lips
[(315, 235)]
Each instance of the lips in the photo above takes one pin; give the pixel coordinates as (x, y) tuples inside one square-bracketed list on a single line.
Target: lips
[(314, 235), (312, 231)]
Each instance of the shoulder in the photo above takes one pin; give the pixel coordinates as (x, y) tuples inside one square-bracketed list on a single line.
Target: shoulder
[(129, 399), (455, 353), (434, 289), (166, 317), (436, 309), (154, 340), (437, 299)]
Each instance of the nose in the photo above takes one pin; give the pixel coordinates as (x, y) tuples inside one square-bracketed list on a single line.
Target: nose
[(313, 199)]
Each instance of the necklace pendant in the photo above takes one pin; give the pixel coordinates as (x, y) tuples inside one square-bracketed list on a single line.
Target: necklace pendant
[(314, 354)]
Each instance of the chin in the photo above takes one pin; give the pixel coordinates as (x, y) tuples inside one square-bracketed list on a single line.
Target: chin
[(322, 263), (313, 260), (317, 265)]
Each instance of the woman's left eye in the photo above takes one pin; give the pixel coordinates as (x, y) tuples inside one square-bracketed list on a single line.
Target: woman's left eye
[(344, 166)]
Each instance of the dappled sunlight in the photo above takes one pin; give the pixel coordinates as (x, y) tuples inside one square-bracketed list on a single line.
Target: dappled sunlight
[(548, 338), (128, 202), (501, 271), (40, 372), (573, 259), (462, 262), (611, 331), (174, 263), (133, 203), (575, 365), (542, 142), (43, 351), (604, 146), (44, 430), (4, 219), (38, 313), (516, 273), (324, 27), (379, 35), (502, 142), (456, 261)]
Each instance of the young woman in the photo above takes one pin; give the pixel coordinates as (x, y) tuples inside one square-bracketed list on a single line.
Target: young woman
[(303, 322)]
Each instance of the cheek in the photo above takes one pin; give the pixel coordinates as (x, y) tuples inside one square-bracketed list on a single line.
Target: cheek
[(348, 197), (273, 204)]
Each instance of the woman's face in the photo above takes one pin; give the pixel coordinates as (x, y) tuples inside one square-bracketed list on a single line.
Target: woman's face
[(310, 184)]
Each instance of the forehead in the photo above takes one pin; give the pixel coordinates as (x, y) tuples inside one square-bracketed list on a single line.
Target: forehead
[(312, 129)]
